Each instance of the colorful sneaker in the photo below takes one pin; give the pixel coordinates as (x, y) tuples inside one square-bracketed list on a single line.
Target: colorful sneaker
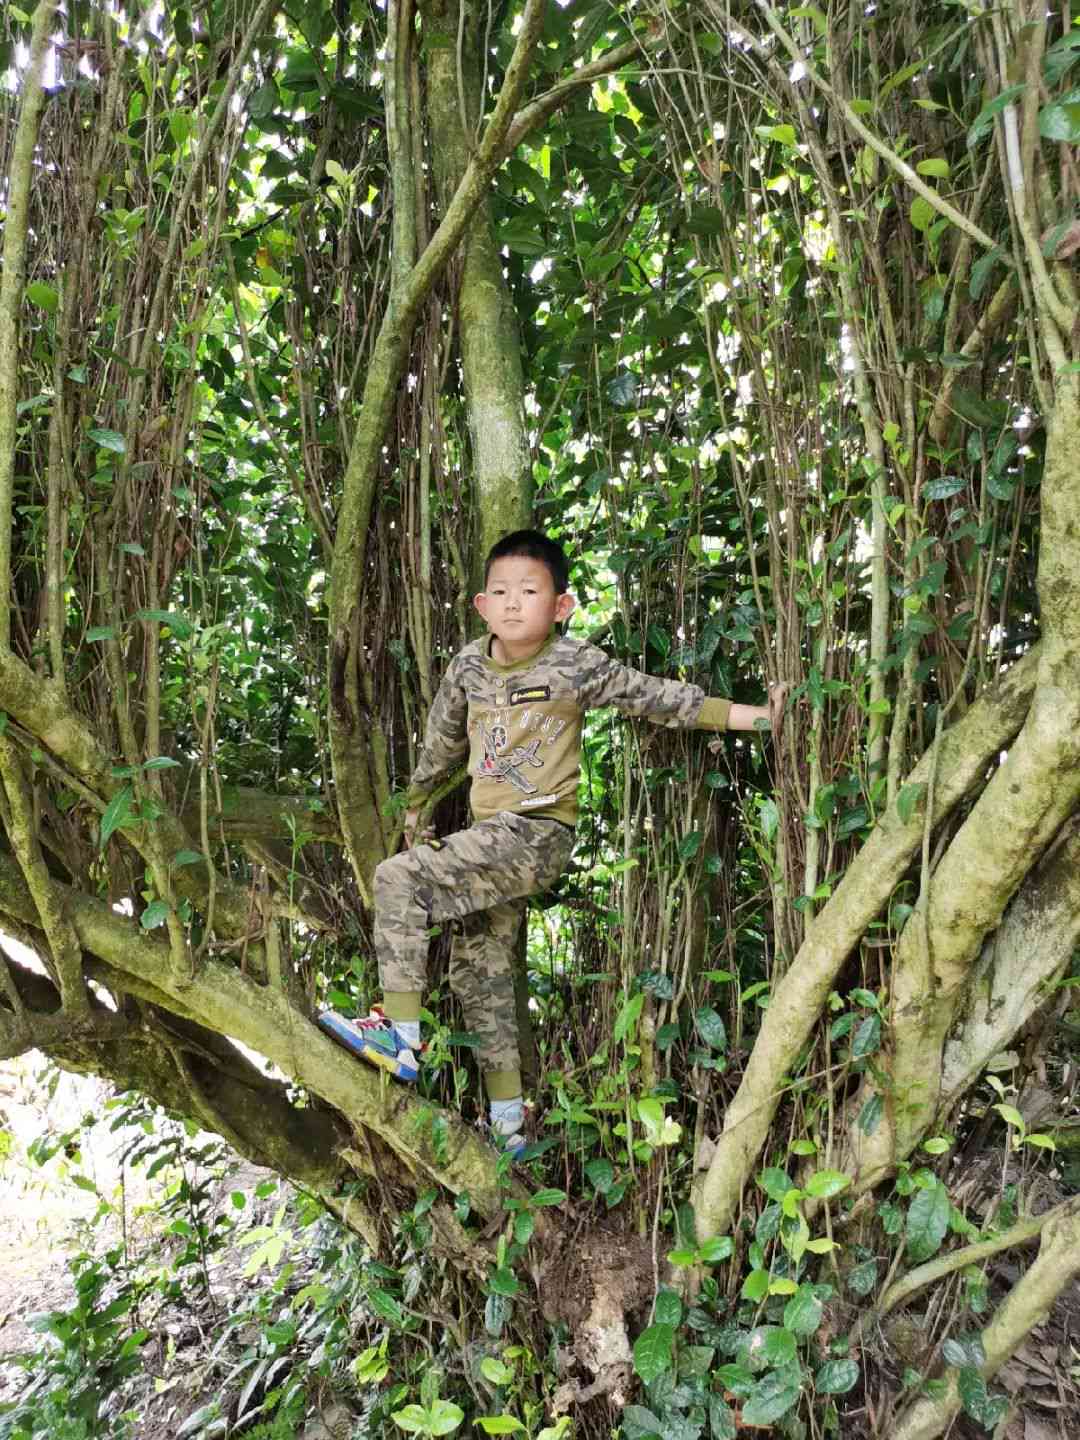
[(512, 1145), (374, 1038)]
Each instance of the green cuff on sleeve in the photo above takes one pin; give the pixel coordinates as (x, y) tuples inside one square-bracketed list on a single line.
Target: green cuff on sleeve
[(713, 714)]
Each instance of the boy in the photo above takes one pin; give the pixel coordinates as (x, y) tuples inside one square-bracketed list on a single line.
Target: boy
[(513, 703)]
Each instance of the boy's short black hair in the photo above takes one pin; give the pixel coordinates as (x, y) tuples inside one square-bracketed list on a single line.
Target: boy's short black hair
[(532, 545)]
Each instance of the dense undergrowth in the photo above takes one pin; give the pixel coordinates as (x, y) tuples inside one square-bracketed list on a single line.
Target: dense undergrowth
[(226, 1302)]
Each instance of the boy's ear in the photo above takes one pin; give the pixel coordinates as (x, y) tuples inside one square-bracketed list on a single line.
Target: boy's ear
[(480, 601), (564, 606)]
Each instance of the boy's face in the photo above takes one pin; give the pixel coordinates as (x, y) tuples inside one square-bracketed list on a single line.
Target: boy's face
[(520, 606)]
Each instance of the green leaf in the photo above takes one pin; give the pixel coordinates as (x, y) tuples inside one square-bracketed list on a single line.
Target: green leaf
[(936, 1145), (770, 1345), (627, 1018), (722, 1420), (863, 1277), (414, 1419), (100, 632), (961, 1350), (155, 914), (710, 1027), (773, 1396), (775, 1182), (756, 1285), (867, 1037), (908, 799), (161, 762), (639, 1423), (384, 1304), (503, 1282), (117, 813), (43, 296), (937, 169), (668, 1309), (824, 1184), (601, 1174), (927, 1221), (651, 1115), (499, 1424), (1061, 120), (108, 440), (524, 1224), (716, 1249), (186, 857), (683, 1258), (653, 1351), (985, 118), (180, 123), (871, 1113), (547, 1197), (518, 235), (803, 1312), (983, 1407), (836, 1377), (923, 214)]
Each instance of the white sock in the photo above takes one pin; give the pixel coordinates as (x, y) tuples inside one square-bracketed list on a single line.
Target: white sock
[(507, 1116), (409, 1030)]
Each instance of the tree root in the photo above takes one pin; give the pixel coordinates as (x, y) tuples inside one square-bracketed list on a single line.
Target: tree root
[(1057, 1264)]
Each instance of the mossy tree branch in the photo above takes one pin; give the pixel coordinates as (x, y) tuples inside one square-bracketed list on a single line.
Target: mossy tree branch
[(962, 755), (1028, 1303), (13, 282), (425, 1141)]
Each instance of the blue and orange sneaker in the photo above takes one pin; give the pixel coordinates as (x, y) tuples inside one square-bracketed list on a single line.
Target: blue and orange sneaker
[(374, 1038)]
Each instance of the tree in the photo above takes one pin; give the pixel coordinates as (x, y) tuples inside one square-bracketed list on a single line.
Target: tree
[(771, 316)]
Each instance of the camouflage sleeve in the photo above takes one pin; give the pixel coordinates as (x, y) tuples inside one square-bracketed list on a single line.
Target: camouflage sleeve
[(665, 702), (446, 738)]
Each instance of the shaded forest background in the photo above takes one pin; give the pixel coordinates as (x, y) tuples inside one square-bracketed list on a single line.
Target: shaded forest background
[(771, 316)]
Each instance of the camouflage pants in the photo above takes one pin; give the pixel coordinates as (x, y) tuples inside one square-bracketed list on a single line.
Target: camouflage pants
[(480, 877)]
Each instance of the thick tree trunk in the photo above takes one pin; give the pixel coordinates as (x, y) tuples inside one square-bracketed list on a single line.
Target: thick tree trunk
[(487, 322)]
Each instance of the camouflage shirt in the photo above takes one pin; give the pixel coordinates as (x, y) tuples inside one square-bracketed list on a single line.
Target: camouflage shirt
[(520, 724)]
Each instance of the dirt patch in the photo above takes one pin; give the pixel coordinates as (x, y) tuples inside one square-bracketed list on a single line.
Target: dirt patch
[(594, 1285)]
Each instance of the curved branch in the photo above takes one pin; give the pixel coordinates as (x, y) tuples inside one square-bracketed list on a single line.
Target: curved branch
[(961, 756), (918, 1279), (1030, 949), (216, 1084), (1028, 1303), (220, 998)]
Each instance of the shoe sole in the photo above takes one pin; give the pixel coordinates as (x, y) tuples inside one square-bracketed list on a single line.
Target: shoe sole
[(340, 1030)]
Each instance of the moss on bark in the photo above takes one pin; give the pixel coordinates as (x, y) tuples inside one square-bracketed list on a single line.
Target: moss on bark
[(961, 757)]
